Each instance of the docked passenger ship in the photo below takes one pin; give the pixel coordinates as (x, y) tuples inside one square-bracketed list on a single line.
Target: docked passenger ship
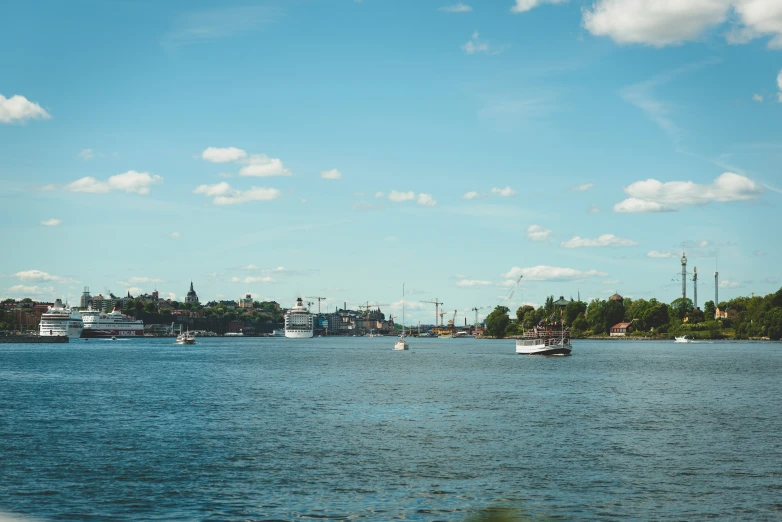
[(115, 324), (545, 340), (298, 321), (60, 320)]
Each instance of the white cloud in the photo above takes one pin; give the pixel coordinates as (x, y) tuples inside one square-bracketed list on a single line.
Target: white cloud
[(379, 195), (582, 188), (760, 253), (703, 243), (53, 222), (426, 200), (171, 295), (224, 194), (759, 18), (655, 196), (470, 195), (657, 254), (671, 22), (604, 240), (22, 291), (252, 280), (86, 154), (537, 233), (758, 98), (504, 192), (131, 182), (250, 267), (133, 290), (729, 284), (331, 174), (18, 108), (473, 282), (222, 154), (522, 6), (475, 45), (658, 23), (37, 276), (399, 197), (593, 209), (551, 273), (456, 8), (262, 166), (175, 235)]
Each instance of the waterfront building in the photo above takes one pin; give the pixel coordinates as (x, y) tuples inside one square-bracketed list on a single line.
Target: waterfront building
[(84, 302), (622, 329), (191, 297)]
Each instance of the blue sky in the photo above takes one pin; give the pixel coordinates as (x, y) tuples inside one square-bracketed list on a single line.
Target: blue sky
[(339, 148)]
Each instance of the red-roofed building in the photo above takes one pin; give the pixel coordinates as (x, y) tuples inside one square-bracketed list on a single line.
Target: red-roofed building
[(622, 329)]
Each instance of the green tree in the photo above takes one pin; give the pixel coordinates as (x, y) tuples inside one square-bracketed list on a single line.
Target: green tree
[(580, 323), (614, 313), (522, 312), (681, 307), (573, 310), (596, 316), (497, 321), (709, 310)]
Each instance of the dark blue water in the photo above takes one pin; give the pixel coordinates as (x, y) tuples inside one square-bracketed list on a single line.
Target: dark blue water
[(277, 429)]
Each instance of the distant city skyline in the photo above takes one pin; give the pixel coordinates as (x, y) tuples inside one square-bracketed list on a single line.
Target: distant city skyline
[(342, 148)]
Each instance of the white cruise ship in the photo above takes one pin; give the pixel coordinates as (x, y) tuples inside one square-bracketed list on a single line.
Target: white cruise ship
[(114, 324), (60, 319), (298, 321)]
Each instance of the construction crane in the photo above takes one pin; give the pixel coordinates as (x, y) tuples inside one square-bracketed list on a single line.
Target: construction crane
[(319, 300), (436, 304), (475, 309), (309, 303), (368, 306), (453, 321), (513, 290), (441, 314)]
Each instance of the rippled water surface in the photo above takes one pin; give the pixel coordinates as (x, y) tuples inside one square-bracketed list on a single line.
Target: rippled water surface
[(278, 429)]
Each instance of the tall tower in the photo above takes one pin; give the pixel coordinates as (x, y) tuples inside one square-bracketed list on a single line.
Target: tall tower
[(716, 289), (695, 286), (684, 276)]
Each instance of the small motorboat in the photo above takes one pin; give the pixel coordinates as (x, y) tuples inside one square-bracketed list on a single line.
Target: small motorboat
[(682, 339)]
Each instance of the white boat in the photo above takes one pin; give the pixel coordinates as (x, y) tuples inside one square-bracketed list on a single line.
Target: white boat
[(401, 343), (298, 322), (278, 333), (61, 320), (185, 338), (545, 340), (115, 324), (233, 334), (682, 339)]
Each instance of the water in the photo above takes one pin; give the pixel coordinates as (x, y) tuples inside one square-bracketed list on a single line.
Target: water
[(278, 429)]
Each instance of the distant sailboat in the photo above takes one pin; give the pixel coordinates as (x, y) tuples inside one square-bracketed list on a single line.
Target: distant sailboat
[(400, 343)]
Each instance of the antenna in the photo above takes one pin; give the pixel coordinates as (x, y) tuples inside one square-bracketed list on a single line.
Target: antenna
[(684, 274)]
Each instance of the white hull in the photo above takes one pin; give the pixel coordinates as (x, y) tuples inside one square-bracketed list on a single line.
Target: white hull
[(539, 347), (401, 344), (682, 340), (66, 329), (297, 334)]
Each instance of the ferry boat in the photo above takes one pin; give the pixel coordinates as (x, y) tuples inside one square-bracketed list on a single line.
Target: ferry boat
[(185, 338), (61, 320), (114, 324), (545, 340), (298, 322)]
